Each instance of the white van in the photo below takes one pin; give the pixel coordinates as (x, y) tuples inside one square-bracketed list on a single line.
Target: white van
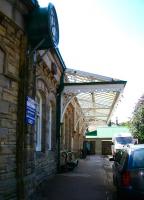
[(120, 141)]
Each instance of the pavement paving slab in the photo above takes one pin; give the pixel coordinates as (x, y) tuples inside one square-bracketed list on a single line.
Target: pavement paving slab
[(90, 180)]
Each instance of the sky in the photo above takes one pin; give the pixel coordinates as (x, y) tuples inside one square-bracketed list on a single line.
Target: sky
[(105, 37)]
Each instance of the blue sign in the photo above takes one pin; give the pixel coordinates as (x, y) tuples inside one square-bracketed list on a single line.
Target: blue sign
[(30, 111)]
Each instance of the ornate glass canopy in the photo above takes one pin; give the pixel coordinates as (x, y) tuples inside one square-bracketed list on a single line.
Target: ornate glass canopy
[(97, 95)]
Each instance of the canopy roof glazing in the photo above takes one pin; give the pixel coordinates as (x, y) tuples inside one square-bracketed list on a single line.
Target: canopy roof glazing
[(97, 95)]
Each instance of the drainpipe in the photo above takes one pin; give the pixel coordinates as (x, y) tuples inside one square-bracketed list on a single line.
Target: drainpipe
[(21, 127), (27, 87), (27, 71)]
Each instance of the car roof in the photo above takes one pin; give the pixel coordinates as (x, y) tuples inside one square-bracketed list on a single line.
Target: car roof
[(138, 146), (131, 148)]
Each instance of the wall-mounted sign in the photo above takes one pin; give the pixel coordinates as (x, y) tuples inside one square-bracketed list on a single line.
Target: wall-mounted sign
[(30, 111)]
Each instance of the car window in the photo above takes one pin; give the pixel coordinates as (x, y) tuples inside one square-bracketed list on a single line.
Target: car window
[(124, 140), (138, 159), (123, 160), (118, 156)]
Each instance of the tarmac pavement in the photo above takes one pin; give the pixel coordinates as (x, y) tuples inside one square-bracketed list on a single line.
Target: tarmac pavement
[(90, 180)]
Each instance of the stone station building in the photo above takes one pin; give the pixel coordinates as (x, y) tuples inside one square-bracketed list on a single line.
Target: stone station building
[(30, 74)]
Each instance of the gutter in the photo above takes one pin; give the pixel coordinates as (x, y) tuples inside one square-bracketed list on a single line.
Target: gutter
[(96, 83), (60, 58)]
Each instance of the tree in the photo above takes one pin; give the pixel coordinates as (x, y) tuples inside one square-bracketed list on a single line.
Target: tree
[(137, 122), (126, 124)]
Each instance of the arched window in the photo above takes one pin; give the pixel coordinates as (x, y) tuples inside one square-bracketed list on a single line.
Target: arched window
[(50, 127), (38, 123)]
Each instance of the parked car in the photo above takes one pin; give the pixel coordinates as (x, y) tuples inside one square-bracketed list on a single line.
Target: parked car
[(128, 172)]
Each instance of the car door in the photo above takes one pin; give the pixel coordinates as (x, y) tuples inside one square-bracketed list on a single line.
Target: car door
[(116, 166), (123, 164), (137, 170)]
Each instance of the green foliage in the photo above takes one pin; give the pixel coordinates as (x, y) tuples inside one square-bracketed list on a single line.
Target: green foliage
[(137, 122), (125, 124)]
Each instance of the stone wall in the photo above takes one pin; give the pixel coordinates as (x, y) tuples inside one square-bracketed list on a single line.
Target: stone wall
[(22, 167), (72, 128), (11, 42), (36, 165), (46, 84)]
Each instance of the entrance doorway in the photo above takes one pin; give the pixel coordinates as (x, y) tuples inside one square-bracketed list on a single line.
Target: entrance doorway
[(90, 145)]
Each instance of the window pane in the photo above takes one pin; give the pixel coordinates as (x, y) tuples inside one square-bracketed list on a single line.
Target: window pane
[(124, 140), (118, 156), (138, 159), (50, 127), (38, 125)]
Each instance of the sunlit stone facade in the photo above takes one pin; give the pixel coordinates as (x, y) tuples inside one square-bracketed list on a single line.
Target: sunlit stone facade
[(73, 126), (28, 153)]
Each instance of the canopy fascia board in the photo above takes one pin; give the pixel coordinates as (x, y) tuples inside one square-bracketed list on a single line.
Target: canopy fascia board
[(76, 88), (97, 83), (95, 108)]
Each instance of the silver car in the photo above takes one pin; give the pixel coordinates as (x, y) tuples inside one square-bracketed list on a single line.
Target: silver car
[(128, 172)]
